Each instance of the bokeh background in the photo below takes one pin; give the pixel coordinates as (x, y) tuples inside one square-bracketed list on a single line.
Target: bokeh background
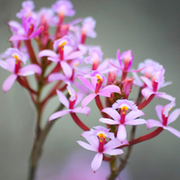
[(151, 29)]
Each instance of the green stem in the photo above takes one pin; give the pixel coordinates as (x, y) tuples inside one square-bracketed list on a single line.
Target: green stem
[(37, 147)]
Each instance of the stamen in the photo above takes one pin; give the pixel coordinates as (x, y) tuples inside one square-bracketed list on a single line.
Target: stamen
[(99, 78), (17, 57), (124, 109), (101, 137), (62, 44)]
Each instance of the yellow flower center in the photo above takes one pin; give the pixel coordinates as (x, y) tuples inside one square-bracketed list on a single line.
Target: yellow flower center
[(99, 78), (63, 44), (17, 57), (124, 109), (101, 136)]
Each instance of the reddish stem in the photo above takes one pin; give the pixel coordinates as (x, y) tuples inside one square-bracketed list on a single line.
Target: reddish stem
[(25, 84), (99, 103), (146, 102), (145, 137), (79, 122), (31, 52)]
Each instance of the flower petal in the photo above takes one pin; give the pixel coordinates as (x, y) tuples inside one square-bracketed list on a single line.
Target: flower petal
[(47, 53), (164, 96), (66, 69), (153, 123), (86, 83), (74, 55), (111, 88), (173, 131), (37, 32), (97, 161), (121, 134), (29, 69), (84, 110), (9, 82), (88, 99), (86, 145), (112, 112), (62, 98), (136, 122), (80, 96), (133, 115), (108, 121), (17, 38), (58, 114), (147, 81), (114, 152), (147, 92), (158, 109), (56, 76), (114, 143), (173, 116)]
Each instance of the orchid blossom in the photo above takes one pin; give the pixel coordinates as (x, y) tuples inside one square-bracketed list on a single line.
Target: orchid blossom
[(124, 117), (165, 118), (97, 143), (13, 64)]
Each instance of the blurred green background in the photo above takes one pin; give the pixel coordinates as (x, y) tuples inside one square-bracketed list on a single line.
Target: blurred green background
[(151, 29)]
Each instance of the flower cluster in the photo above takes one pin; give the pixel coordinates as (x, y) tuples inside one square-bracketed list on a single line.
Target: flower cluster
[(69, 65)]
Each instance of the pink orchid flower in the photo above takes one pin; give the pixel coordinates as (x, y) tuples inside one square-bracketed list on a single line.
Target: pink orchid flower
[(97, 143), (96, 87), (28, 31), (152, 86), (70, 104), (66, 52), (165, 118), (123, 118), (13, 64)]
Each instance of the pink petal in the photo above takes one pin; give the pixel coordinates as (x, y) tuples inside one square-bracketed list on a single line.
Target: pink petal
[(86, 83), (37, 32), (147, 92), (29, 69), (158, 109), (79, 98), (173, 116), (153, 123), (66, 69), (114, 143), (111, 88), (47, 53), (56, 76), (121, 134), (166, 84), (88, 99), (112, 112), (173, 131), (17, 38), (84, 110), (147, 81), (62, 98), (74, 55), (104, 93), (133, 115), (58, 114), (164, 96), (86, 146), (136, 122), (97, 161), (93, 140), (81, 87), (3, 64), (114, 152), (9, 82), (108, 121)]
